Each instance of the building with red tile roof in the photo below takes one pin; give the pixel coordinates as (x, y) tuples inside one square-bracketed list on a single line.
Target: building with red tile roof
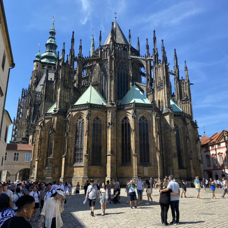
[(215, 155)]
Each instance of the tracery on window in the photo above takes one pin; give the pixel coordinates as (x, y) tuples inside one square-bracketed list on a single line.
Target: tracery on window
[(79, 141), (97, 141), (126, 141), (122, 79), (144, 140)]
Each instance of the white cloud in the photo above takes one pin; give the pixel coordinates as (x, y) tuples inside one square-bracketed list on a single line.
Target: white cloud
[(86, 8)]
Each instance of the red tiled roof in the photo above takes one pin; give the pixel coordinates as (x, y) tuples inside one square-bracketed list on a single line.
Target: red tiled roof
[(213, 138), (204, 139), (15, 146)]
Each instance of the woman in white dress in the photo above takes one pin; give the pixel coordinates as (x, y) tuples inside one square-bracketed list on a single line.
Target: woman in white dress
[(103, 198)]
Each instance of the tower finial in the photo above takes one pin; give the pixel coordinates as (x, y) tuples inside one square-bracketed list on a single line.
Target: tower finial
[(115, 16), (53, 19), (204, 130)]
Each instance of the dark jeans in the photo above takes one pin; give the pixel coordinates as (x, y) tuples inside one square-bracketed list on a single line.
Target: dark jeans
[(175, 209), (164, 212)]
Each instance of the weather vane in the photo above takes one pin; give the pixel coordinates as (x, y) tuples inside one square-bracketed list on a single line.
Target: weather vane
[(115, 15), (39, 46)]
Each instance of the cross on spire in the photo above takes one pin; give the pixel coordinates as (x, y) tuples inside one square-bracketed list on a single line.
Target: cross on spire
[(115, 15)]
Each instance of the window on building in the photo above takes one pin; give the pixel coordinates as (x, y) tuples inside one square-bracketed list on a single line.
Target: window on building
[(5, 156), (27, 157), (79, 141), (219, 145), (220, 160), (179, 152), (96, 141), (126, 141), (16, 156), (208, 159), (214, 160), (6, 133), (122, 80), (144, 140), (3, 60), (212, 147)]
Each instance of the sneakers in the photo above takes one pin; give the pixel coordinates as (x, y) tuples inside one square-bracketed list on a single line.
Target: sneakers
[(172, 223), (102, 214), (92, 213), (135, 206)]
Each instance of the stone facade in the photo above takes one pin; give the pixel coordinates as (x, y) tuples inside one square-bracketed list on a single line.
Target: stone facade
[(6, 63), (215, 155), (17, 162), (114, 115)]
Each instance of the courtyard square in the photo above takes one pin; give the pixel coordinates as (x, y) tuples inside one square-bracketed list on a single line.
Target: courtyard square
[(204, 212)]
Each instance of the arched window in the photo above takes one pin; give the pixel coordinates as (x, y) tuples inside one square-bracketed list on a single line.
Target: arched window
[(208, 159), (179, 153), (96, 141), (122, 80), (79, 141), (144, 140), (126, 141)]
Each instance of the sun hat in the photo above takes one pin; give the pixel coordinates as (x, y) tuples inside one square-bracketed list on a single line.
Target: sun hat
[(60, 193)]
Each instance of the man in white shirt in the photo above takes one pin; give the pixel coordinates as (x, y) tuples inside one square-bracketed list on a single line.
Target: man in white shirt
[(7, 192), (116, 186), (55, 186), (49, 192), (140, 188), (61, 185)]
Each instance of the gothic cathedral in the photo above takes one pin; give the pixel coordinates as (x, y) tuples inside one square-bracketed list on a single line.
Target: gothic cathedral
[(109, 115)]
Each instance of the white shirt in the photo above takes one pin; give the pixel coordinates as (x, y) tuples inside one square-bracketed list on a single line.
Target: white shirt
[(55, 187), (140, 184), (15, 199), (48, 194), (62, 187), (35, 195)]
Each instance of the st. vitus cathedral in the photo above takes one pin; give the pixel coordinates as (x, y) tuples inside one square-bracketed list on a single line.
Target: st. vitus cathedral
[(114, 115)]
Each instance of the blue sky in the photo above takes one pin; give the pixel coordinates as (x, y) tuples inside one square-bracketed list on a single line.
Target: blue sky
[(197, 29)]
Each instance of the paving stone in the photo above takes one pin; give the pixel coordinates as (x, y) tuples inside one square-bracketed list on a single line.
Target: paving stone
[(204, 212)]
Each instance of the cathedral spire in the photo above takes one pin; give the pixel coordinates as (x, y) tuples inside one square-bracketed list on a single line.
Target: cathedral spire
[(138, 46), (147, 48), (186, 71), (176, 67), (92, 46), (72, 50), (164, 57), (155, 50), (80, 49), (50, 57), (63, 53), (100, 39), (129, 42)]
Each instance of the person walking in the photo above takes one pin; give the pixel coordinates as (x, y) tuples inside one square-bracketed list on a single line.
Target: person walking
[(224, 186), (108, 187), (213, 186), (184, 188), (77, 189), (127, 191), (91, 194), (36, 195), (25, 205), (103, 198), (132, 187), (7, 191), (197, 186), (116, 186), (16, 196), (204, 184), (148, 192), (65, 188), (140, 188), (174, 200), (69, 189), (52, 210)]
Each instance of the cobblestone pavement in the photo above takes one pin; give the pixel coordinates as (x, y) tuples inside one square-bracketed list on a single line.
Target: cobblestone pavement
[(204, 212)]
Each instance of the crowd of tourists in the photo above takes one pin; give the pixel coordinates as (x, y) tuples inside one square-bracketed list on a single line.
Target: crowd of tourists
[(20, 203), (24, 202)]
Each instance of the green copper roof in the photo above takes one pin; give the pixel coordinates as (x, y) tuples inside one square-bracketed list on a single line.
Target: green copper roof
[(91, 96), (120, 38), (50, 110), (175, 107), (135, 95), (38, 56)]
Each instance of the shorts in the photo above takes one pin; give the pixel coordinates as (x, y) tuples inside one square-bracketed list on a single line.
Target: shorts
[(37, 205), (198, 189), (103, 200), (184, 189), (139, 192), (132, 196), (92, 202), (41, 203), (77, 191), (149, 190)]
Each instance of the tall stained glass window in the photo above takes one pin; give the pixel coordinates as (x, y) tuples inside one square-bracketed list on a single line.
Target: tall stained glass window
[(79, 141), (123, 81), (126, 141), (179, 153), (144, 140), (96, 141)]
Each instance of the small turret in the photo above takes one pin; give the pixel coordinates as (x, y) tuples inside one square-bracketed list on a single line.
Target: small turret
[(147, 48), (129, 42), (63, 54), (186, 71), (100, 39), (92, 48), (164, 57), (72, 50), (138, 46), (80, 49), (155, 50)]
